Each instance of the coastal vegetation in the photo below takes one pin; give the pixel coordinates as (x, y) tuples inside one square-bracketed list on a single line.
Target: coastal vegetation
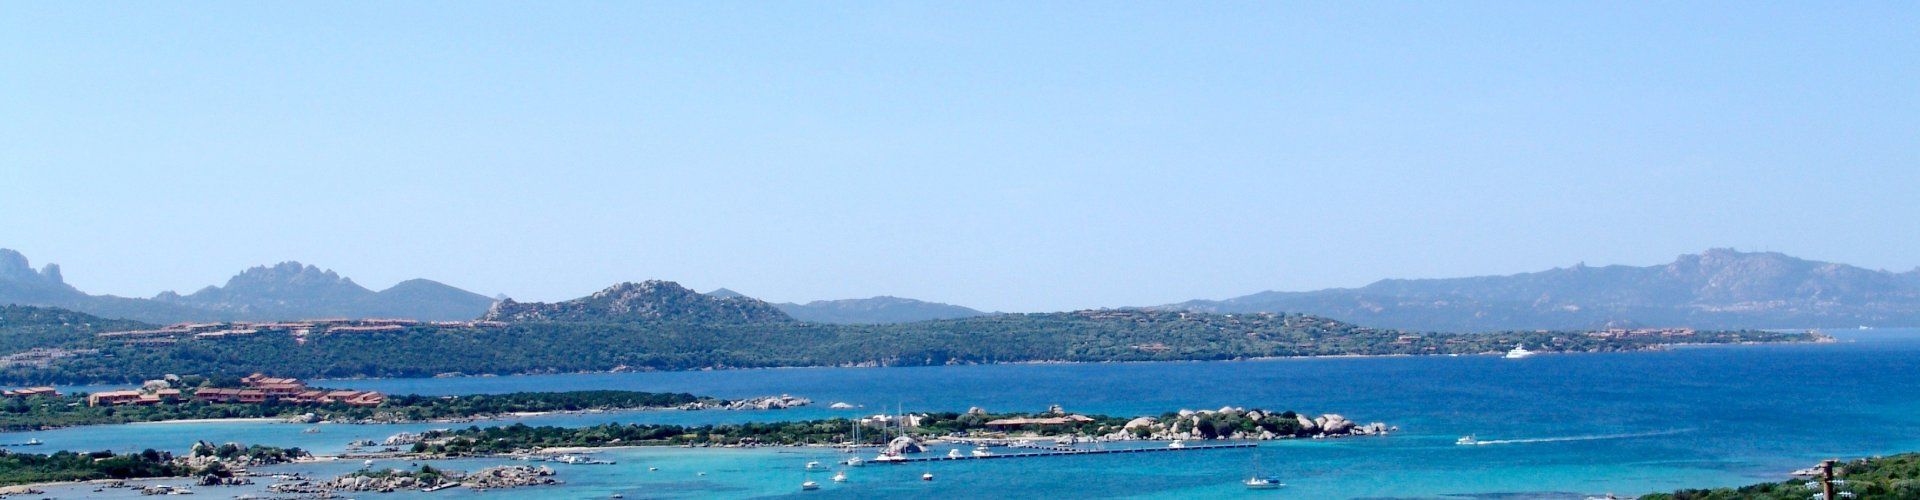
[(205, 459), (1893, 476), (39, 412), (666, 343), (1203, 425)]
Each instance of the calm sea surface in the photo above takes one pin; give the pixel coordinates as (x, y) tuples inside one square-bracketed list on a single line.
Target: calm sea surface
[(1568, 425)]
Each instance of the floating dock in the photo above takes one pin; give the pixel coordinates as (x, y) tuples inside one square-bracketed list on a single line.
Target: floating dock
[(1062, 452)]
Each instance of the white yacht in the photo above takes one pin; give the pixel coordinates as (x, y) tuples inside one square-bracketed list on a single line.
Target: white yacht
[(1519, 351), (889, 458), (982, 451), (1177, 444), (955, 453), (855, 462), (1260, 482)]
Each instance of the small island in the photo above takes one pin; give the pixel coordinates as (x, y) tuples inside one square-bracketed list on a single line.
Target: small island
[(210, 464), (897, 433)]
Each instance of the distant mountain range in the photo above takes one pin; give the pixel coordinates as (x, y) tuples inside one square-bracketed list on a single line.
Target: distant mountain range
[(882, 309), (291, 290), (1719, 288), (666, 300), (285, 291)]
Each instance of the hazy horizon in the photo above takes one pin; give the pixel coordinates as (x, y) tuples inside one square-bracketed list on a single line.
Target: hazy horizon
[(1003, 157)]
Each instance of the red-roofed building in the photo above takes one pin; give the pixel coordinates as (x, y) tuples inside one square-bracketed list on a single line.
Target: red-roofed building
[(30, 392), (369, 398), (113, 398)]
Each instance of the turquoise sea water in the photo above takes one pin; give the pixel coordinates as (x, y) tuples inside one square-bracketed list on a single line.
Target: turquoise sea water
[(1568, 425)]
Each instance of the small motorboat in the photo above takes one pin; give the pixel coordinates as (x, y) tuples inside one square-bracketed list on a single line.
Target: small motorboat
[(311, 430), (926, 477), (809, 485), (1263, 483), (855, 462), (982, 451), (813, 465), (1466, 441), (1177, 444), (33, 442), (955, 453), (840, 477)]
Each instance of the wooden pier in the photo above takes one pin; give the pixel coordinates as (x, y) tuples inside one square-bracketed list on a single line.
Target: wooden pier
[(1057, 452)]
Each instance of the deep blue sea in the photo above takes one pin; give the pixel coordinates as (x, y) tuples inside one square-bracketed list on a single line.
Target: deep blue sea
[(1568, 425)]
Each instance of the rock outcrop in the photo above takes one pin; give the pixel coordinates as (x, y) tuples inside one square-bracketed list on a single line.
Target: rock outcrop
[(780, 402), (904, 444), (1232, 422), (650, 300)]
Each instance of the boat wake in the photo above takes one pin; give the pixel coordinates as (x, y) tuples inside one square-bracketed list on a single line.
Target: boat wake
[(1592, 437)]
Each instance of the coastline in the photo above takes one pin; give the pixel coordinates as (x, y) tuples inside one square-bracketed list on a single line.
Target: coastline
[(201, 421), (1040, 362)]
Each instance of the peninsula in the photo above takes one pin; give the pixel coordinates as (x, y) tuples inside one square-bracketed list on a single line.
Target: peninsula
[(663, 326), (258, 396)]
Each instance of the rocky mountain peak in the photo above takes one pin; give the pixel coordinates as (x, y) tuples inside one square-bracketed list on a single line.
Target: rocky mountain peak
[(725, 293), (647, 300), (15, 267), (288, 273), (20, 283)]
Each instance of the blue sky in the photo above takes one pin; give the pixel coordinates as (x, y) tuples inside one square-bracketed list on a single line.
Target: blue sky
[(1005, 156)]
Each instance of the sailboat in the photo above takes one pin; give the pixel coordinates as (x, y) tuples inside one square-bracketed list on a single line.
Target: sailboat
[(1257, 481), (854, 445)]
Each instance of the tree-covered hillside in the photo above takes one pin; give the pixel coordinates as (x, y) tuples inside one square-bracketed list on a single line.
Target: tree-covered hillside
[(671, 344)]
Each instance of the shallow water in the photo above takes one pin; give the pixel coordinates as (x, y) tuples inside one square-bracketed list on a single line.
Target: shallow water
[(1559, 425)]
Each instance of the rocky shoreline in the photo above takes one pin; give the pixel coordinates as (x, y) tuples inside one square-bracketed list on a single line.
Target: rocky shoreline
[(388, 481)]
